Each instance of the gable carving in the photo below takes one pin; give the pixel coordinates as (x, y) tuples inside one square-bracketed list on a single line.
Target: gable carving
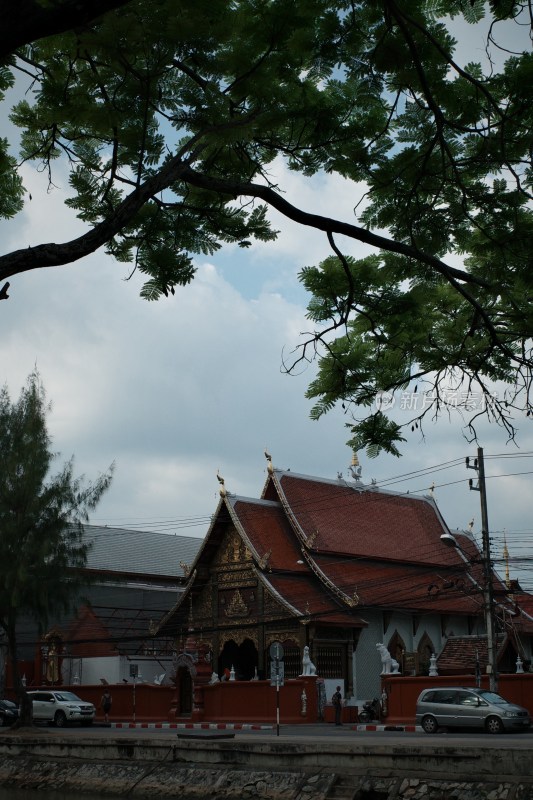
[(237, 577), (232, 550), (272, 608), (239, 637), (203, 606), (236, 607)]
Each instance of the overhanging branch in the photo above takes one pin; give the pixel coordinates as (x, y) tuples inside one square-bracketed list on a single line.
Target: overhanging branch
[(327, 224), (53, 255)]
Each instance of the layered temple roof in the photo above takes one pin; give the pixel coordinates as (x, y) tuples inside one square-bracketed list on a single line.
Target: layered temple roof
[(327, 550)]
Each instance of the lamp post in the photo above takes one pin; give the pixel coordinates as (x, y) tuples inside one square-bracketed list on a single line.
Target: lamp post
[(488, 589)]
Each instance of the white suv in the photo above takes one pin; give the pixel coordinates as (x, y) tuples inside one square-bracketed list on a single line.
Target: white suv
[(61, 708)]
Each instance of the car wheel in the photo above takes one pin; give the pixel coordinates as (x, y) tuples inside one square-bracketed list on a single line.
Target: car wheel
[(429, 724), (493, 725), (60, 719)]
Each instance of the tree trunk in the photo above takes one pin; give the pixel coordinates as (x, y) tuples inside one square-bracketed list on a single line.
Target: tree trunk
[(25, 719)]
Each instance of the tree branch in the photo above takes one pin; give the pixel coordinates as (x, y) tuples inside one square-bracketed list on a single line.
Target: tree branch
[(26, 21), (327, 224), (55, 255)]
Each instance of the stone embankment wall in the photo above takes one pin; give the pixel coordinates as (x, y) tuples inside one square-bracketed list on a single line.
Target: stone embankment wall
[(266, 770)]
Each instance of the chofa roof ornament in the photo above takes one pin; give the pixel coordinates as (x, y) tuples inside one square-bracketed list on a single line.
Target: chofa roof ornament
[(220, 479)]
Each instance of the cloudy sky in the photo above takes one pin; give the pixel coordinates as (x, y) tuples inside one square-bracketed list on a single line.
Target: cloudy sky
[(174, 391)]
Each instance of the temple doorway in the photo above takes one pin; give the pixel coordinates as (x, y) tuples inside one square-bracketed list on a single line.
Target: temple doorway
[(242, 657)]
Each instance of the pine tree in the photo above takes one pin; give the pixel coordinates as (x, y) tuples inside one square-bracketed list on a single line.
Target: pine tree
[(42, 550)]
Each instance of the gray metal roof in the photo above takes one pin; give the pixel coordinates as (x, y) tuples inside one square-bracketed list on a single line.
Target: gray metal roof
[(139, 552)]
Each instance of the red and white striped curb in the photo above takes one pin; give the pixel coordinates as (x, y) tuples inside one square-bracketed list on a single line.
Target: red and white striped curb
[(392, 728), (198, 726), (243, 726)]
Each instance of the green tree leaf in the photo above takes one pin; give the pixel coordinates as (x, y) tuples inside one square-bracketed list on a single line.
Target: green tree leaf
[(169, 116), (41, 520)]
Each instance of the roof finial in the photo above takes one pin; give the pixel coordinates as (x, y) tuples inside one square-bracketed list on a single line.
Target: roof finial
[(268, 457), (220, 479)]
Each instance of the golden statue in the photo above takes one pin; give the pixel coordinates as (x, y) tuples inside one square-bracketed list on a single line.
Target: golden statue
[(52, 668)]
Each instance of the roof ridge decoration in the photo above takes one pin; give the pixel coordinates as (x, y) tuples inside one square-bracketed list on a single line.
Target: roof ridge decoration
[(270, 467), (263, 578), (263, 561), (350, 601), (307, 541), (242, 533)]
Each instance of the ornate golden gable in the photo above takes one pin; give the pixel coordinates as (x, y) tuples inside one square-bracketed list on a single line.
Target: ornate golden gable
[(237, 607)]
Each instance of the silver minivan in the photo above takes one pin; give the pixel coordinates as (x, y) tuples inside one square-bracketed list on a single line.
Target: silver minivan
[(466, 707)]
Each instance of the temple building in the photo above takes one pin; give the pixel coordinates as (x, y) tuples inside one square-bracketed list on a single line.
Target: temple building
[(335, 565)]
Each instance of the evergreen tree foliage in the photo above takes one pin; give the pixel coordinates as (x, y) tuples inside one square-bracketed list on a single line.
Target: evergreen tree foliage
[(170, 114), (41, 519)]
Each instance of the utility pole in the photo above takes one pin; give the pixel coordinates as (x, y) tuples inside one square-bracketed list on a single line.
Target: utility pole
[(488, 589)]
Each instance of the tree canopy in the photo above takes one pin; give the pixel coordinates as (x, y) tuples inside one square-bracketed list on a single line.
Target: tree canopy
[(171, 113), (42, 550)]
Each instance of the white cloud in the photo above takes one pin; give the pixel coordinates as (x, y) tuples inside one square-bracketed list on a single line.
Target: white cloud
[(174, 390)]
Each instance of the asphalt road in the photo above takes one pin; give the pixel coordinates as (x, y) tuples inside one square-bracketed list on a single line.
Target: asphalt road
[(309, 733)]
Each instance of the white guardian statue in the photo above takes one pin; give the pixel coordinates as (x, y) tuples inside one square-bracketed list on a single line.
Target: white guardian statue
[(308, 668), (389, 665)]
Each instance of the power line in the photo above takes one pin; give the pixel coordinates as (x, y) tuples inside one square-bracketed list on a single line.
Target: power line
[(179, 523)]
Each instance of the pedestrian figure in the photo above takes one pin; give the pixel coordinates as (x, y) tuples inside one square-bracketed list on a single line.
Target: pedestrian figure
[(105, 704), (337, 705)]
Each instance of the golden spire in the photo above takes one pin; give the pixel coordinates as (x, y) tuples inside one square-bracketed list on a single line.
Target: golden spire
[(355, 468)]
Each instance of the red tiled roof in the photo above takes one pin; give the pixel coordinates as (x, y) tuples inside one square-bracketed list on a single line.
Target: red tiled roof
[(524, 608), (365, 522), (458, 656), (317, 543), (89, 636), (524, 601), (266, 527), (432, 578), (415, 587), (310, 598)]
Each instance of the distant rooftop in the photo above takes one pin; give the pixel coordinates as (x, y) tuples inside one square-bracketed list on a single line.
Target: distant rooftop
[(139, 552)]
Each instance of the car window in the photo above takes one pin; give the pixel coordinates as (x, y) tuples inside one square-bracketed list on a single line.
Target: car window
[(492, 697), (466, 699), (68, 697), (444, 696)]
